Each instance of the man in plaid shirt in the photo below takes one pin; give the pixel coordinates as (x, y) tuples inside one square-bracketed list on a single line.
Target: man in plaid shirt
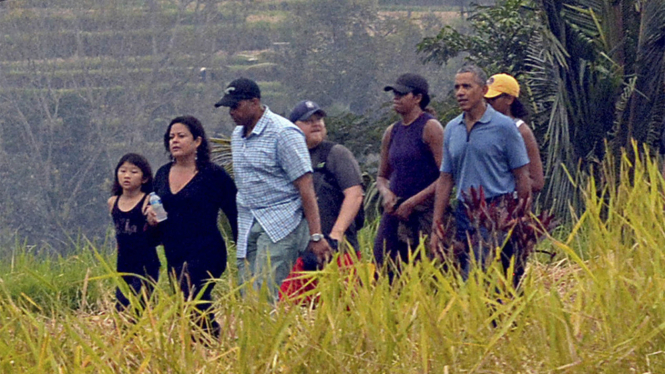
[(273, 174)]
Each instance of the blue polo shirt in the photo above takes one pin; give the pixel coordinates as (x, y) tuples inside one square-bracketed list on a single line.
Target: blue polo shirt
[(486, 155)]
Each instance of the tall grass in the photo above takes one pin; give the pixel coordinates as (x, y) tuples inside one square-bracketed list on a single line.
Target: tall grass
[(599, 308)]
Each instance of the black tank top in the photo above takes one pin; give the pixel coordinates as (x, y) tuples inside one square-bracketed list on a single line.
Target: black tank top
[(410, 158), (133, 233)]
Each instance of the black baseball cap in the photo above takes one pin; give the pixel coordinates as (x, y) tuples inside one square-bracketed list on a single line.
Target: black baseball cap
[(305, 109), (410, 82), (239, 89)]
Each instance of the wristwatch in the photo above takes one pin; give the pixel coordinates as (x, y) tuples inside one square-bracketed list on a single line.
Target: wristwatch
[(316, 237)]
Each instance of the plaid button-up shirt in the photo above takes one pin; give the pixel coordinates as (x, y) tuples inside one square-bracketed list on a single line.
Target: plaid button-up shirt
[(265, 164)]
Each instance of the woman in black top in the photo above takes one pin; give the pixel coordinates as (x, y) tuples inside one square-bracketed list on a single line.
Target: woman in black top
[(193, 189)]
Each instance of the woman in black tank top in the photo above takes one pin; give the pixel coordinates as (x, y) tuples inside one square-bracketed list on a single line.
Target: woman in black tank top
[(411, 152)]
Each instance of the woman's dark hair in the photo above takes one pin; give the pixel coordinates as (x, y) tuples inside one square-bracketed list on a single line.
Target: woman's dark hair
[(431, 111), (425, 98), (196, 128), (518, 110), (141, 163)]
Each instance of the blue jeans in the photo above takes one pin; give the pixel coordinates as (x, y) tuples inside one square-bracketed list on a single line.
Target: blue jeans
[(482, 253)]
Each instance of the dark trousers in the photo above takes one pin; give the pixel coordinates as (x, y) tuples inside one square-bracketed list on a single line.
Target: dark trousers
[(482, 253), (396, 238), (150, 274), (192, 277), (387, 243)]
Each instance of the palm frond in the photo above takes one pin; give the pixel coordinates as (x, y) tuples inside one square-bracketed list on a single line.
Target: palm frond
[(220, 153), (646, 111)]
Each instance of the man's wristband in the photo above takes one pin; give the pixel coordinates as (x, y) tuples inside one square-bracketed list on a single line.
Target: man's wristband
[(316, 237)]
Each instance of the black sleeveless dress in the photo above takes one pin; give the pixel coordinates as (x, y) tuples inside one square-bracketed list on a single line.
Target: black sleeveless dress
[(136, 249)]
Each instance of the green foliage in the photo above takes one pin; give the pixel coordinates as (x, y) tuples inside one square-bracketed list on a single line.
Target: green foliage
[(49, 283), (497, 41), (360, 134), (591, 81), (332, 53), (341, 53)]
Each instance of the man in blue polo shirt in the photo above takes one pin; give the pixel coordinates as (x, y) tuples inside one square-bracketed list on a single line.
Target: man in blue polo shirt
[(482, 148), (273, 173)]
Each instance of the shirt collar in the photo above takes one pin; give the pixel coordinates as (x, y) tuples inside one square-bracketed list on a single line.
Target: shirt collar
[(486, 118), (263, 121)]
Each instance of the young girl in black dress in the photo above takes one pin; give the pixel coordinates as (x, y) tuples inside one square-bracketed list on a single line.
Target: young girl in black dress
[(136, 239)]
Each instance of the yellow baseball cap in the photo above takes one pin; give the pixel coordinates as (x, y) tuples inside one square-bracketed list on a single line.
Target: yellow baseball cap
[(502, 84)]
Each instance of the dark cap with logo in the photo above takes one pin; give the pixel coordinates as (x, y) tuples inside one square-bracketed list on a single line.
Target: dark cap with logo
[(305, 109), (239, 89), (410, 82)]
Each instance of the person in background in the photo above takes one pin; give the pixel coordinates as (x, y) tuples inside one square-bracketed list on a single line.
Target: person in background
[(337, 178), (482, 148), (339, 194), (273, 172), (193, 189), (408, 170), (137, 255), (503, 95)]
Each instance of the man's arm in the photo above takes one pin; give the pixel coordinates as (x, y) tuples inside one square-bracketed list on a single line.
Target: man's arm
[(522, 181), (353, 200), (305, 187), (444, 186)]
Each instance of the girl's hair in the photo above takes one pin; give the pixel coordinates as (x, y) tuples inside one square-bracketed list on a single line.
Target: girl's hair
[(518, 110), (196, 128), (141, 163)]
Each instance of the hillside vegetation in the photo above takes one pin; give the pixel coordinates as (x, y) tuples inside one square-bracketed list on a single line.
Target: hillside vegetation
[(83, 82)]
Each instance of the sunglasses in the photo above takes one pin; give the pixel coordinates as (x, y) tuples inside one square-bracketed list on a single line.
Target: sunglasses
[(400, 94), (491, 99)]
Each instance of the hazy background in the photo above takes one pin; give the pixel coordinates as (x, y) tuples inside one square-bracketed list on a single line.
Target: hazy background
[(84, 81)]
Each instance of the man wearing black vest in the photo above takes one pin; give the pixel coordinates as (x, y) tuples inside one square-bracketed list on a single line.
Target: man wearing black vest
[(337, 178)]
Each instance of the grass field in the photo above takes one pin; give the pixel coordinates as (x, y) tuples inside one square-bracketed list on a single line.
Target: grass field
[(597, 308)]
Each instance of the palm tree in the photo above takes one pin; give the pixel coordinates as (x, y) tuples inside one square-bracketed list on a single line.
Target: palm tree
[(596, 78), (220, 153)]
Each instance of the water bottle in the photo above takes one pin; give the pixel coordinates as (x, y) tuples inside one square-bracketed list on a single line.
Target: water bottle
[(156, 204)]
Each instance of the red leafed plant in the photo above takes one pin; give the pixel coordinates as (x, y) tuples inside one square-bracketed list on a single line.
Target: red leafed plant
[(501, 218)]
